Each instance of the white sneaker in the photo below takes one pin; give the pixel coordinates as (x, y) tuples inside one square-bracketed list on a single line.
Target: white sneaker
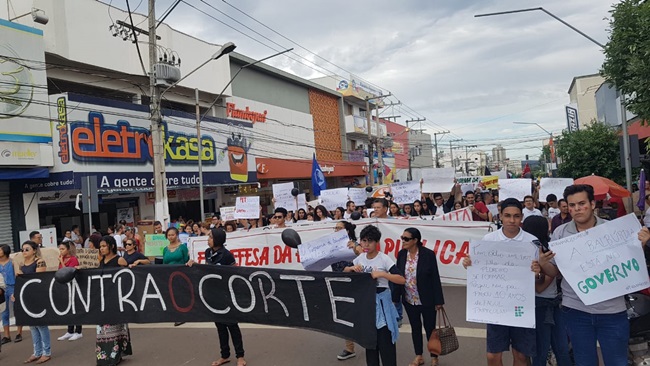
[(76, 336), (65, 337)]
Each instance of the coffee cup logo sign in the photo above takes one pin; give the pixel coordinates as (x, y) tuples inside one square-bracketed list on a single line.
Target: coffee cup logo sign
[(245, 114)]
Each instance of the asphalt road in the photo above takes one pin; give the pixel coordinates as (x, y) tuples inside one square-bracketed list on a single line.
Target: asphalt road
[(197, 344)]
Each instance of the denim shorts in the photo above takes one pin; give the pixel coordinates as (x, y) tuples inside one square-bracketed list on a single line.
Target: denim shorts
[(500, 337)]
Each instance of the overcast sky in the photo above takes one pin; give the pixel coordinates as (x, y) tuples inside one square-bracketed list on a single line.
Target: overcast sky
[(471, 76)]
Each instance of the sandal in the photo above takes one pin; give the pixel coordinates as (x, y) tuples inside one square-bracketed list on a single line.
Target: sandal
[(43, 359), (417, 361), (221, 361), (434, 361), (31, 359), (241, 361)]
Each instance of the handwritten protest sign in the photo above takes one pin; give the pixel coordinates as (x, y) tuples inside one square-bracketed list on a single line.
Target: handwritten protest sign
[(88, 258), (405, 192), (227, 213), (358, 195), (247, 207), (320, 253), (603, 262), (283, 197), (514, 188), (154, 244), (302, 201), (500, 284), (333, 198), (554, 186), (437, 180), (468, 183)]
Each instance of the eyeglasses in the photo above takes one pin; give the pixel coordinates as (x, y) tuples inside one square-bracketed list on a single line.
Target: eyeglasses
[(125, 244), (27, 249), (404, 238)]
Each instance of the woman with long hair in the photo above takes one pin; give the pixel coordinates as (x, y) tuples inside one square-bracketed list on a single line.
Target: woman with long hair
[(338, 213), (321, 214), (421, 295), (67, 259), (408, 210), (417, 208), (113, 340), (9, 276), (175, 252), (393, 210), (301, 215)]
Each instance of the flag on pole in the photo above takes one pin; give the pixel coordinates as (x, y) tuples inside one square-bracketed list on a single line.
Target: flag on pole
[(317, 178), (526, 170), (641, 203)]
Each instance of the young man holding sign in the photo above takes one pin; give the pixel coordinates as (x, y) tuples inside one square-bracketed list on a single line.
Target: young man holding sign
[(500, 337), (604, 322)]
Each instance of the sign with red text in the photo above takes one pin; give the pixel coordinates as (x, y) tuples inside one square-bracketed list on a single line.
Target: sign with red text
[(263, 247), (247, 207)]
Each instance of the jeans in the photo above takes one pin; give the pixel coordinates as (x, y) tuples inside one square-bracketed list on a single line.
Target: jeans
[(385, 349), (612, 331), (416, 314), (5, 314), (224, 344), (549, 335), (41, 340)]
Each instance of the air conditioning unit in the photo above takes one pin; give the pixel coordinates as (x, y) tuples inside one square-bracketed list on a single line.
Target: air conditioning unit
[(166, 74)]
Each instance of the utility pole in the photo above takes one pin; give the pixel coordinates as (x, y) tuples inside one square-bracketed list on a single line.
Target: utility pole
[(435, 144), (371, 156), (451, 152), (411, 150), (467, 147), (161, 208)]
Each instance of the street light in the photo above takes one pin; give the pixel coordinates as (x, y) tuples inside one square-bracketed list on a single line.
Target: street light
[(626, 136), (551, 136), (200, 117)]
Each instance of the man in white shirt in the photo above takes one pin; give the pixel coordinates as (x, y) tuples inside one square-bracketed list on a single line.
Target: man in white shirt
[(553, 208), (500, 337), (529, 207), (349, 209)]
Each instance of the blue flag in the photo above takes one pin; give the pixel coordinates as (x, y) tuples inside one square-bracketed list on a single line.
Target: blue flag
[(317, 178)]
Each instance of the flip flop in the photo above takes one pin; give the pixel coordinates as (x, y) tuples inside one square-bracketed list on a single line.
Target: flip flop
[(418, 361), (221, 361), (43, 359), (241, 362), (31, 359)]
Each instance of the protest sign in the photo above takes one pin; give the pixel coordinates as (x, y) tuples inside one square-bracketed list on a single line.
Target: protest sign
[(554, 186), (283, 197), (227, 213), (263, 247), (437, 180), (502, 174), (405, 192), (342, 304), (490, 182), (154, 244), (494, 210), (358, 195), (320, 253), (500, 284), (302, 201), (603, 262), (468, 183), (196, 247), (333, 198), (88, 258), (514, 188), (247, 207)]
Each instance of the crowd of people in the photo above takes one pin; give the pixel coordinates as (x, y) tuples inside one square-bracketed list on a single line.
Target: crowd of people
[(411, 282)]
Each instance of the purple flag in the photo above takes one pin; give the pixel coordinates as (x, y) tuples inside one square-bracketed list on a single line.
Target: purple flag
[(641, 203)]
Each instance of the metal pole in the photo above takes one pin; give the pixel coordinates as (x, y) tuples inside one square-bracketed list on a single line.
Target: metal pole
[(90, 211), (626, 148), (451, 154), (380, 148), (371, 158), (159, 177), (200, 150)]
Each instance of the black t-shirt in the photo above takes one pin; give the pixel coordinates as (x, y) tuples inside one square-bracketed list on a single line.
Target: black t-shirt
[(221, 256), (131, 258)]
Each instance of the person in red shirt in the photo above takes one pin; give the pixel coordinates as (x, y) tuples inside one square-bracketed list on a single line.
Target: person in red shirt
[(67, 259), (479, 210)]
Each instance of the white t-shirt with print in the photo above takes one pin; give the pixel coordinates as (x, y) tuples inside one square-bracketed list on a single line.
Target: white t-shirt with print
[(381, 262)]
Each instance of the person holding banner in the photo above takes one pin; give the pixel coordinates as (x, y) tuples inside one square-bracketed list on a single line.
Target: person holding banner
[(67, 259), (394, 210), (384, 270), (321, 214), (8, 275), (175, 252), (133, 256), (350, 207), (113, 340), (422, 293), (603, 323), (500, 337), (4, 302), (279, 217)]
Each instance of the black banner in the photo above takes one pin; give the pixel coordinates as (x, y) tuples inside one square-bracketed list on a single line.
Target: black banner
[(342, 304)]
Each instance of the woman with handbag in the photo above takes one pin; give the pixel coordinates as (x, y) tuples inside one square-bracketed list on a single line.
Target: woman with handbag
[(422, 293)]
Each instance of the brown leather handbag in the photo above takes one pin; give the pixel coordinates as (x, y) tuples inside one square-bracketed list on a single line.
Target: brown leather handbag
[(443, 339)]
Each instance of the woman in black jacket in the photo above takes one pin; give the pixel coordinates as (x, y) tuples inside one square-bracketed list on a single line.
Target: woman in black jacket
[(422, 292)]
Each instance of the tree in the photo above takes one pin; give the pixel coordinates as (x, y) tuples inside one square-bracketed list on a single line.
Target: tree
[(627, 65), (592, 150)]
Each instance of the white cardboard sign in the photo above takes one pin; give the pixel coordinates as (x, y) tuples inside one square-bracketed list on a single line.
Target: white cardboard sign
[(514, 188), (318, 254), (333, 198), (555, 186), (283, 197), (247, 207), (436, 180), (358, 195), (405, 192)]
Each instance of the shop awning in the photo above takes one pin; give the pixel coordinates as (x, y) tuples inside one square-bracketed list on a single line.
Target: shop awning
[(32, 173)]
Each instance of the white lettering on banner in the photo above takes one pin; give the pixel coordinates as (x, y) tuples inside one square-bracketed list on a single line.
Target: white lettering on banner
[(515, 188), (405, 192), (500, 284), (263, 247), (554, 186), (318, 254), (333, 198), (247, 207), (357, 195), (464, 214), (283, 197), (603, 262)]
